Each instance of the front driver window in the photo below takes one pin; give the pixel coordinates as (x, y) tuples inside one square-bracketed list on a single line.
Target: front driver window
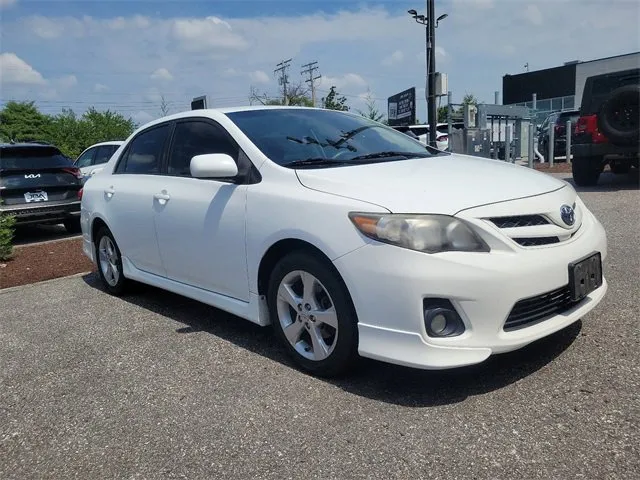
[(144, 154), (193, 138)]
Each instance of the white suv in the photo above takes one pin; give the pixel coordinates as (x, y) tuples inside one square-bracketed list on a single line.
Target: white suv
[(92, 159), (346, 235)]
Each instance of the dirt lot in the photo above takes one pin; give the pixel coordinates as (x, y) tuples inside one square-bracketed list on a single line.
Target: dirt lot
[(157, 386)]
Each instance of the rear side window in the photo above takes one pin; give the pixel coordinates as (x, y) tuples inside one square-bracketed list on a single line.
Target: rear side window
[(104, 154), (197, 137), (144, 153), (32, 158)]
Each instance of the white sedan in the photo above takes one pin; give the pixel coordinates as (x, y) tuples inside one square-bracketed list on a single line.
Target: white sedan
[(349, 237)]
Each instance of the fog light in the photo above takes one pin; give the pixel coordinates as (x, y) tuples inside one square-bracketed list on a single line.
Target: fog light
[(441, 318)]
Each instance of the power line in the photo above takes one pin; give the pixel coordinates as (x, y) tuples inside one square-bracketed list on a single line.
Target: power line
[(284, 78), (310, 68)]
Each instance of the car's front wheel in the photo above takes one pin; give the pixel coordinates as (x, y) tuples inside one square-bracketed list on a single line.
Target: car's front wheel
[(109, 263), (312, 314)]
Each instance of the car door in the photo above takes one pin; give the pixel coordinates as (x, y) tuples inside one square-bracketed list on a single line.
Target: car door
[(130, 204), (85, 160), (201, 222)]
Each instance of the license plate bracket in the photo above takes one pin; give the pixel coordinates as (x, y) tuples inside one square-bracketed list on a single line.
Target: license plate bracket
[(39, 196), (585, 275)]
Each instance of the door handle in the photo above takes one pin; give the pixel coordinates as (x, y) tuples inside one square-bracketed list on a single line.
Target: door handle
[(162, 198), (109, 192)]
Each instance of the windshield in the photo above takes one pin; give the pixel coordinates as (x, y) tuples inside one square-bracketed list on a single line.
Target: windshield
[(290, 136)]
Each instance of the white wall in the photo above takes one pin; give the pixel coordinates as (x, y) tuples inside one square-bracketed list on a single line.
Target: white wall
[(597, 67)]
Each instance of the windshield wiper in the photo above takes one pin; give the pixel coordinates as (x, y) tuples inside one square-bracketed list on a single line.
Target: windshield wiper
[(372, 156), (316, 162)]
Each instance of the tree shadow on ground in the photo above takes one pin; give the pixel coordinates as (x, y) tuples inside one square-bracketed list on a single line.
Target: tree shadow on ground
[(371, 379)]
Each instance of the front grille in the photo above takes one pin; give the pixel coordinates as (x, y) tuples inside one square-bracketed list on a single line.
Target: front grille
[(536, 309), (536, 241), (519, 221)]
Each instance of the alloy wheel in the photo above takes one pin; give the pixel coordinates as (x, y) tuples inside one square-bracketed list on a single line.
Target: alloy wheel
[(307, 315), (108, 258)]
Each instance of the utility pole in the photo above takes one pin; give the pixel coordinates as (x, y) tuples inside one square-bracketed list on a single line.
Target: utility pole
[(310, 68), (431, 49), (284, 78)]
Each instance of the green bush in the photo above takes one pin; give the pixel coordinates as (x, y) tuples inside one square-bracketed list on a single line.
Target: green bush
[(7, 223)]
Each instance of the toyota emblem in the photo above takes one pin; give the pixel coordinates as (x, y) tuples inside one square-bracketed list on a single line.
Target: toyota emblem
[(567, 214)]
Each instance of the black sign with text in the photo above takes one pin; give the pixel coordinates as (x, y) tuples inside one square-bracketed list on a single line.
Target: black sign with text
[(402, 108)]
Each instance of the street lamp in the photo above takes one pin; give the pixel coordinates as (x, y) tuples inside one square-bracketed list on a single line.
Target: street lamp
[(430, 23)]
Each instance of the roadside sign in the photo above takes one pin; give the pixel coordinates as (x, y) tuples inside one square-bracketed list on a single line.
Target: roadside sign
[(402, 108), (199, 103)]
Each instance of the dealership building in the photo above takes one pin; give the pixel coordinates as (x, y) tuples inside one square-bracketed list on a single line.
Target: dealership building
[(560, 88)]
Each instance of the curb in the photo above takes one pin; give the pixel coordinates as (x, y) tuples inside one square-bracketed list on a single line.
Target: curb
[(45, 242), (43, 282)]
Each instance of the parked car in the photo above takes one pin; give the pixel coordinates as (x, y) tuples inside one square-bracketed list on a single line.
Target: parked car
[(92, 159), (39, 185), (557, 121), (346, 235), (608, 130)]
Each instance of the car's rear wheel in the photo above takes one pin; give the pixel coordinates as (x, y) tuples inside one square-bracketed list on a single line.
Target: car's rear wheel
[(312, 314), (586, 171), (72, 225), (110, 263)]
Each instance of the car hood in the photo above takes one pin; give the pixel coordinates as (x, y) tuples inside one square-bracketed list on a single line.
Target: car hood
[(444, 184)]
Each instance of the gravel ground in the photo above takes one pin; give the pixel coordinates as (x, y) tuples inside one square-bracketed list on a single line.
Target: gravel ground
[(158, 386)]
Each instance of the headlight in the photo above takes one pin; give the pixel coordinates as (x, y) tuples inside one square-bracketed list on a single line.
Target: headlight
[(425, 233)]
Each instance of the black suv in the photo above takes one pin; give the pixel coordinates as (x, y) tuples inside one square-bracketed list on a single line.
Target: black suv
[(557, 121), (38, 184), (608, 130)]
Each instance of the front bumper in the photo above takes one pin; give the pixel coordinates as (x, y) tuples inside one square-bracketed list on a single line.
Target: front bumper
[(42, 212), (388, 285)]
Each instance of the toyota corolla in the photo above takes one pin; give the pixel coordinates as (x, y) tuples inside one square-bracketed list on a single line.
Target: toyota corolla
[(348, 237)]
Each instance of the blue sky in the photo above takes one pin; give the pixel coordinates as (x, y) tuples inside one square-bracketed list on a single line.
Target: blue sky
[(125, 55)]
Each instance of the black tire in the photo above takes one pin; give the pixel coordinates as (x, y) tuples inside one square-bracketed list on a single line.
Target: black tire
[(619, 116), (586, 171), (72, 225), (122, 284), (345, 353)]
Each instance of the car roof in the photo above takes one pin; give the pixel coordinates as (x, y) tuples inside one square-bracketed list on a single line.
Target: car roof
[(110, 142), (26, 145)]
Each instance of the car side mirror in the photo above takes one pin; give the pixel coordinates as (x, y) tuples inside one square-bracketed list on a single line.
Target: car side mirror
[(213, 165)]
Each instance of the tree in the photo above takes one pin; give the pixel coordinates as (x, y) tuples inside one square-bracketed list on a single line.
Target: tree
[(442, 114), (333, 102), (372, 111), (297, 94), (22, 121)]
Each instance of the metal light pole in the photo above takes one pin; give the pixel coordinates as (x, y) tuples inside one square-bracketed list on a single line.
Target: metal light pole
[(430, 23)]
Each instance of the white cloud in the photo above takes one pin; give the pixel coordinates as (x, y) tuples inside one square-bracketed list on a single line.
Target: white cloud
[(161, 74), (7, 3), (99, 88), (441, 53), (230, 72), (142, 117), (533, 14), (153, 95), (347, 81), (210, 35), (117, 23), (14, 70), (393, 59), (259, 77), (67, 81)]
